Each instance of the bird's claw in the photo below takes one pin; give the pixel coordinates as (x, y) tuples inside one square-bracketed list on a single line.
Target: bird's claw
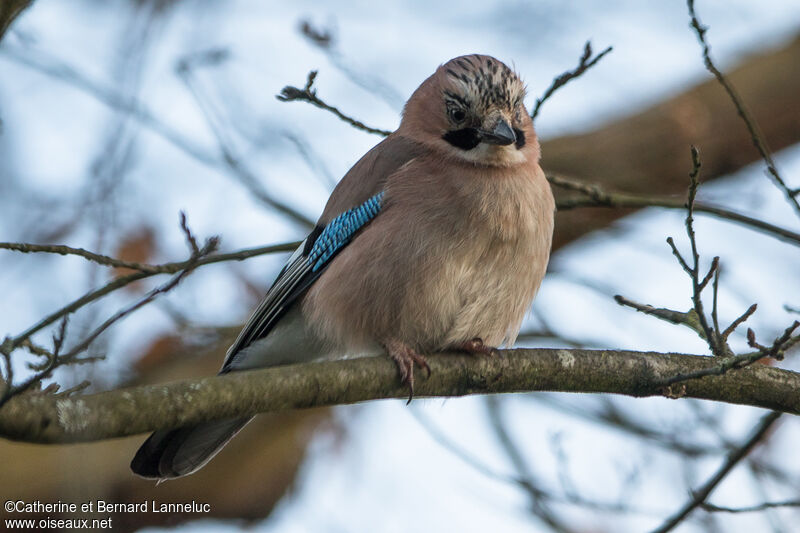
[(476, 347), (406, 359)]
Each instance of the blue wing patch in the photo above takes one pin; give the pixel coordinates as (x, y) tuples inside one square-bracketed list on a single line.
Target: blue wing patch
[(341, 229), (301, 271)]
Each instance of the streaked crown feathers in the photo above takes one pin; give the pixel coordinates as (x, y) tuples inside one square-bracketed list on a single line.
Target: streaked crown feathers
[(482, 81)]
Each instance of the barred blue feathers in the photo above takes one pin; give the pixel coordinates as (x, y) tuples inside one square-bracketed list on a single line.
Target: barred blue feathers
[(341, 229)]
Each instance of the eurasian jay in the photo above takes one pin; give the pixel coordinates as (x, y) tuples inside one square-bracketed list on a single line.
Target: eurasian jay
[(436, 239)]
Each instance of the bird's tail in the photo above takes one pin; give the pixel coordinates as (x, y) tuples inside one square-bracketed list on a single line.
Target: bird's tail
[(178, 452)]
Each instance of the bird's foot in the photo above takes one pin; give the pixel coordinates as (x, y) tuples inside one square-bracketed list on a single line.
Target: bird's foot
[(476, 347), (406, 359)]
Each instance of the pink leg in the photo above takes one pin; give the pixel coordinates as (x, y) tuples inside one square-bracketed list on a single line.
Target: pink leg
[(406, 358)]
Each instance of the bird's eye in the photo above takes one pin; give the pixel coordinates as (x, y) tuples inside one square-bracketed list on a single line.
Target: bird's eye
[(457, 114)]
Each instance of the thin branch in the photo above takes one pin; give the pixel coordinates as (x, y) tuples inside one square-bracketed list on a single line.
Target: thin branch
[(53, 67), (536, 495), (484, 469), (80, 252), (61, 71), (307, 94), (739, 321), (681, 261), (10, 344), (696, 318), (210, 246), (326, 41), (711, 508), (585, 63), (752, 126), (734, 457), (776, 351), (688, 319), (47, 419), (596, 196), (229, 157), (35, 349), (711, 272), (714, 315), (194, 249), (57, 360), (717, 348), (457, 450), (609, 416)]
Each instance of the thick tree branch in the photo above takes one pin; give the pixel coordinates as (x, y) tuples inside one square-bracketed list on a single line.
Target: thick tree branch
[(37, 417)]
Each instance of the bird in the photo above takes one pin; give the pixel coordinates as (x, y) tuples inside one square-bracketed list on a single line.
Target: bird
[(437, 239)]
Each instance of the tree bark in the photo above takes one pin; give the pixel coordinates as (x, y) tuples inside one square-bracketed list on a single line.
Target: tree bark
[(51, 419)]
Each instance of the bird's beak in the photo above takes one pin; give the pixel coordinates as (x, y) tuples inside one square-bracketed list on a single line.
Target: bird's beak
[(502, 134)]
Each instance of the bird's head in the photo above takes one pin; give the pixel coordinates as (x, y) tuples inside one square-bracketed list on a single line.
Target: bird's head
[(472, 109)]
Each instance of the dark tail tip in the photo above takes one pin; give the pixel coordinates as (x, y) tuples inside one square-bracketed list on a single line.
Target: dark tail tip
[(179, 452), (147, 461)]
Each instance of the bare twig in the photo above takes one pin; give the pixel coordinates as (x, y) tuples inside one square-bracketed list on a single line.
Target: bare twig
[(585, 63), (527, 481), (776, 351), (596, 196), (322, 38), (752, 126), (734, 457), (10, 344), (739, 321), (83, 385), (608, 416), (57, 359), (479, 466), (688, 319), (311, 158), (80, 252), (715, 294), (694, 272), (308, 94), (138, 111), (453, 447), (696, 317), (35, 349), (711, 508), (65, 73), (229, 156), (325, 40), (190, 238)]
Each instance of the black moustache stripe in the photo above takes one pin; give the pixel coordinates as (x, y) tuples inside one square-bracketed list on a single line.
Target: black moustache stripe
[(465, 138), (469, 138), (520, 138)]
